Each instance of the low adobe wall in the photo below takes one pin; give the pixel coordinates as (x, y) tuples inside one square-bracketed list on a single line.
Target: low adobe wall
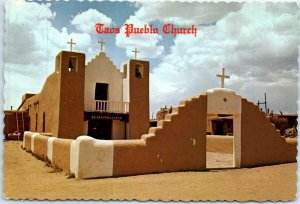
[(27, 140), (261, 143), (40, 145), (53, 149), (61, 153), (219, 144), (177, 144)]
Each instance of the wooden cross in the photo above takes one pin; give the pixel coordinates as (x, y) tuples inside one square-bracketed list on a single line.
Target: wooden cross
[(223, 77), (135, 52), (102, 43), (71, 44)]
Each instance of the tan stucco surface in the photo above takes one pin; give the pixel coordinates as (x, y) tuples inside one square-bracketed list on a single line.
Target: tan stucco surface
[(102, 70), (56, 150), (49, 99), (261, 143), (91, 158), (40, 146), (178, 143), (220, 144), (61, 153), (61, 100), (27, 140), (138, 98)]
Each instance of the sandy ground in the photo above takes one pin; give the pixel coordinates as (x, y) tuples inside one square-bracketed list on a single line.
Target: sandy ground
[(25, 177)]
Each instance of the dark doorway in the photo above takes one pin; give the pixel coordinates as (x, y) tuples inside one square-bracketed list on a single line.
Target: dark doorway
[(219, 128), (101, 91), (100, 129), (36, 122), (44, 122), (222, 126)]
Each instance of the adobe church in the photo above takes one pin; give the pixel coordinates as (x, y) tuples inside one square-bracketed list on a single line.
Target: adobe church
[(94, 99)]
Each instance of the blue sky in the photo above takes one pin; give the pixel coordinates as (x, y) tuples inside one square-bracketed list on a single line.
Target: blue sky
[(257, 43), (118, 11)]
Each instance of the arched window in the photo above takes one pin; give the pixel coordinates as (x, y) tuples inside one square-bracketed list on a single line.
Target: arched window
[(73, 64), (139, 71)]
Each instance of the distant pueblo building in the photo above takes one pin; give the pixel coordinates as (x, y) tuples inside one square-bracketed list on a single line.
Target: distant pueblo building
[(96, 99)]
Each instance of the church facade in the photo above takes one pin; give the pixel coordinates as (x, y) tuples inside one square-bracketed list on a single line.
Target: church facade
[(94, 99)]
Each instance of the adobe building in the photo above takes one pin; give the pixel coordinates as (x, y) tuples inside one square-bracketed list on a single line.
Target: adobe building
[(94, 99), (178, 143), (79, 101)]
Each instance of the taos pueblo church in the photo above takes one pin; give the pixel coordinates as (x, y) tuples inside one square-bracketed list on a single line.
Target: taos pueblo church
[(92, 120)]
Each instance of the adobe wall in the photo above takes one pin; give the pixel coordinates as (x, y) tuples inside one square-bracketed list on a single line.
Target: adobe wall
[(53, 149), (10, 122), (261, 143), (102, 70), (40, 145), (71, 107), (61, 153), (27, 140), (226, 101), (177, 144), (118, 130), (219, 144), (58, 108), (139, 121), (47, 101)]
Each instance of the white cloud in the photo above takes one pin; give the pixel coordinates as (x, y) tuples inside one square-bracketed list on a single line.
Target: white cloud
[(180, 13), (86, 21), (257, 45), (185, 13), (147, 44), (31, 44)]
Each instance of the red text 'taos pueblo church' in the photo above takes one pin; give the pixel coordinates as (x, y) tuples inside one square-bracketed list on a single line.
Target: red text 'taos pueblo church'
[(93, 121)]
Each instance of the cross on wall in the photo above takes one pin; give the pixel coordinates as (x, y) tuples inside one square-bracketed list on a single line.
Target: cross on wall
[(101, 44), (135, 52), (223, 77), (71, 44)]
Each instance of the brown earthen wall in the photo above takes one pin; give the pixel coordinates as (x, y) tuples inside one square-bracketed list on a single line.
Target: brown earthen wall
[(219, 144), (61, 153), (177, 144), (40, 146), (10, 122), (59, 106), (261, 144), (139, 121), (47, 101), (71, 97)]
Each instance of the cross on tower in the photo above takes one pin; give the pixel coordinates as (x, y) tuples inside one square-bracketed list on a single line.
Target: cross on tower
[(102, 43), (71, 44), (223, 77), (135, 52)]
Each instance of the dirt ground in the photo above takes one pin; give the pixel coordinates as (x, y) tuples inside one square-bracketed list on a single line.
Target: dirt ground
[(26, 177)]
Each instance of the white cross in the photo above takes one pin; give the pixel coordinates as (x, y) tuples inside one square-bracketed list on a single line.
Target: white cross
[(135, 52), (71, 44), (102, 43), (223, 77)]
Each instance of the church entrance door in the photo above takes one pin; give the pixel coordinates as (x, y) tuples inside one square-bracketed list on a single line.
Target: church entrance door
[(100, 129)]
